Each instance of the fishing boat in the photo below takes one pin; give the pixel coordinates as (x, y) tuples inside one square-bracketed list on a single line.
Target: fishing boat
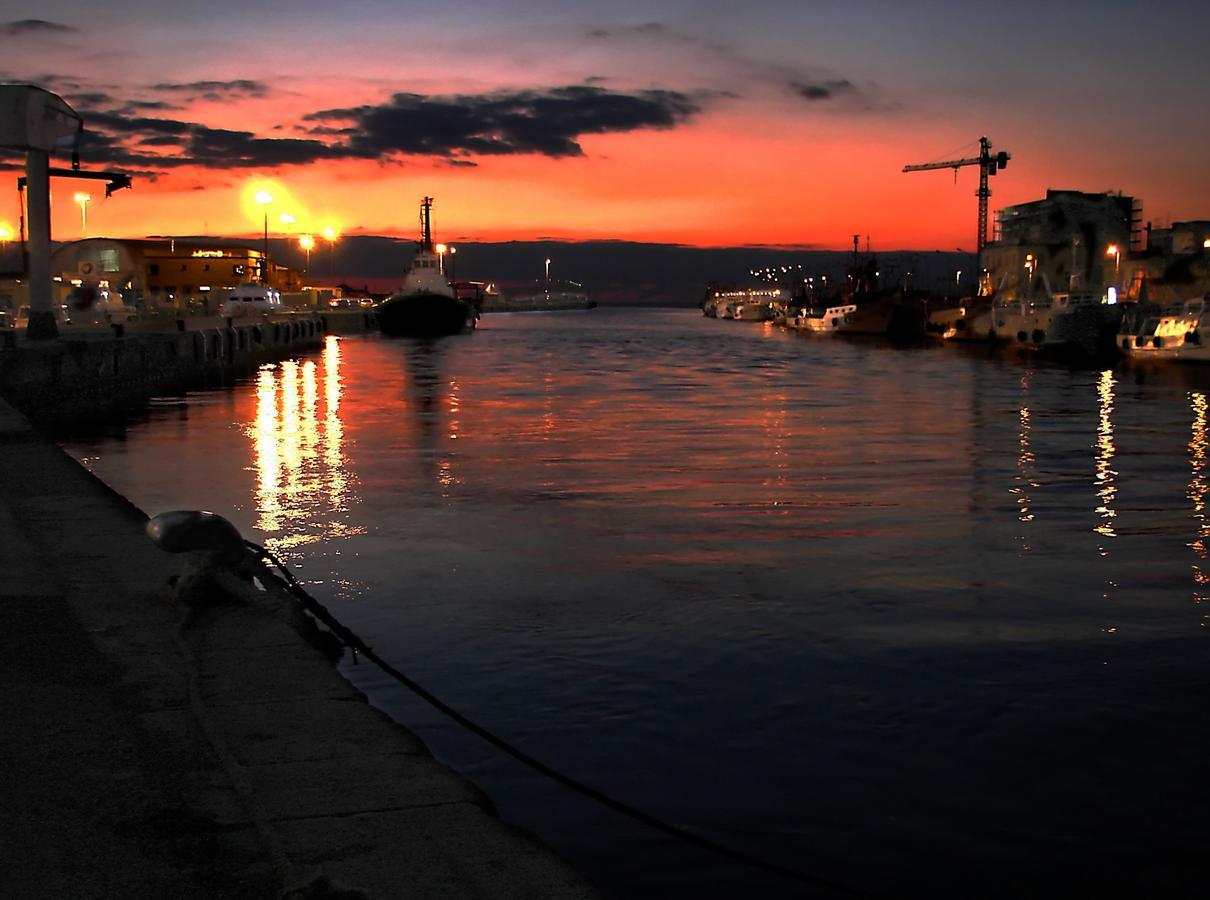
[(1162, 334), (823, 319), (427, 304)]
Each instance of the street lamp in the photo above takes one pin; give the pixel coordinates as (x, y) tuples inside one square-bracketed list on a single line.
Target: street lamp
[(330, 235), (287, 220), (440, 248), (307, 243), (1116, 252), (548, 270), (83, 199), (264, 198), (453, 250)]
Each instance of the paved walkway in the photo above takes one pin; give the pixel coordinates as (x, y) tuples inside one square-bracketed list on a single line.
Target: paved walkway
[(221, 758)]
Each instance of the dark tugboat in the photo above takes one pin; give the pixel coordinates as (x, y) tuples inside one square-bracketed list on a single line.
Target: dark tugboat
[(426, 305)]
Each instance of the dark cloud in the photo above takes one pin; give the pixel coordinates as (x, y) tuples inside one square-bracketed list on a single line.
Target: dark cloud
[(544, 122), (823, 90), (215, 90), (33, 26), (128, 134), (644, 28)]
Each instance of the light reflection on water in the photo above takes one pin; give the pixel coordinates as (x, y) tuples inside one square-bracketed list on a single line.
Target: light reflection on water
[(849, 606), (302, 491)]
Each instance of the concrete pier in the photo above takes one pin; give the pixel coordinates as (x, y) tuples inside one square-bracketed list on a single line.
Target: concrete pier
[(158, 750), (92, 372)]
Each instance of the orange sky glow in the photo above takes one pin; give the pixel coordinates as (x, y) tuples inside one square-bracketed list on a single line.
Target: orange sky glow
[(795, 138)]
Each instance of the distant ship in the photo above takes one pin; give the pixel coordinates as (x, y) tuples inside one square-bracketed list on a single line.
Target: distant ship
[(550, 294), (426, 305)]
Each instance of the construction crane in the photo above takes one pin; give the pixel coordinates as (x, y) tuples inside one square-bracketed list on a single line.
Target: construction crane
[(989, 163)]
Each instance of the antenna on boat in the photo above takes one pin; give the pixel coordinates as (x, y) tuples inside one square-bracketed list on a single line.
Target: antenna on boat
[(426, 231)]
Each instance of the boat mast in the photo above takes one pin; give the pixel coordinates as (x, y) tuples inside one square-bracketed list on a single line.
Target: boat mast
[(426, 231)]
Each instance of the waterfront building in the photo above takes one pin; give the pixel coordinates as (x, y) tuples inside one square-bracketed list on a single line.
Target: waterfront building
[(1069, 241), (179, 273)]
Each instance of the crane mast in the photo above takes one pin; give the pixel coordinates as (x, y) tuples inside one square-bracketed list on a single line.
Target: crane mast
[(989, 163)]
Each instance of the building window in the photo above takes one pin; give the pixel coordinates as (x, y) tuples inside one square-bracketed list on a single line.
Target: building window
[(109, 260), (237, 270)]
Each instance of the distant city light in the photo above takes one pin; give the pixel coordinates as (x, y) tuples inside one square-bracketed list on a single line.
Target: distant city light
[(264, 197)]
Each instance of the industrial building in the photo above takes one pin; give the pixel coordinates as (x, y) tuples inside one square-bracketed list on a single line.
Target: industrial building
[(1069, 241), (178, 273)]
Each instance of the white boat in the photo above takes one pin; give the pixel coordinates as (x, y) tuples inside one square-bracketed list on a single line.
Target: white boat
[(1020, 322), (1196, 348), (730, 304), (1164, 334), (824, 319), (549, 295)]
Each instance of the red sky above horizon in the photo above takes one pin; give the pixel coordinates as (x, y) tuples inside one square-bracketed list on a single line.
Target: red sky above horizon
[(690, 123)]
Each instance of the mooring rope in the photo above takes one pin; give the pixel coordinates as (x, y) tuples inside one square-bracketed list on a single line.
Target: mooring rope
[(357, 645)]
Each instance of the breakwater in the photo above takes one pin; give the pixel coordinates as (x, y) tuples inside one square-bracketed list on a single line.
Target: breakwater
[(94, 374)]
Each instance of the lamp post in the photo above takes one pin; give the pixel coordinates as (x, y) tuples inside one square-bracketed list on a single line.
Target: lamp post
[(453, 250), (264, 198), (330, 235), (307, 243), (440, 248), (1116, 252), (83, 199), (548, 271)]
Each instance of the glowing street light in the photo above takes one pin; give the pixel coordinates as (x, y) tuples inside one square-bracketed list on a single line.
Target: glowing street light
[(83, 199), (264, 198), (548, 270), (453, 250), (440, 248), (6, 234), (307, 243), (1116, 252), (287, 220), (331, 235)]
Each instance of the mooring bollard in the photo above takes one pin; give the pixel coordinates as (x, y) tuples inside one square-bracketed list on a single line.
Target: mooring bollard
[(216, 556), (197, 531)]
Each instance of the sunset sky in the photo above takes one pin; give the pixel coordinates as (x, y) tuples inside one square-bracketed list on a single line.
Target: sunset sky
[(704, 123)]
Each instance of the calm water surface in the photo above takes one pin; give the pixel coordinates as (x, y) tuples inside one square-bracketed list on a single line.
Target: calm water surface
[(919, 620)]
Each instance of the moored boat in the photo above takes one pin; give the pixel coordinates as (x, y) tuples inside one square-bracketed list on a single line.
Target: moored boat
[(1161, 334), (824, 319), (427, 304)]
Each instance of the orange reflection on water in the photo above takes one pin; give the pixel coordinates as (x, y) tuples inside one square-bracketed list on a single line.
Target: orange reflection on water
[(445, 464), (1105, 474), (1025, 460), (1196, 492), (302, 483)]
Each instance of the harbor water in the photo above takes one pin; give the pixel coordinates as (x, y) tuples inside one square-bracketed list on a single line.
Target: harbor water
[(920, 620)]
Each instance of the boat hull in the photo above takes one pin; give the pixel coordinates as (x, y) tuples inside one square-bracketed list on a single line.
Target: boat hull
[(424, 315)]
